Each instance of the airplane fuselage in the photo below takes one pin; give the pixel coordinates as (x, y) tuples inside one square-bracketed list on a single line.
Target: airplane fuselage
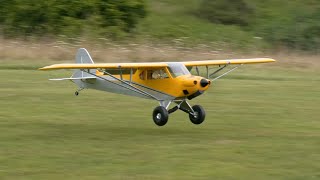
[(159, 82)]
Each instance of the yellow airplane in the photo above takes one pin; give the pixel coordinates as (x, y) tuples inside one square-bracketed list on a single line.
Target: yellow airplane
[(166, 82)]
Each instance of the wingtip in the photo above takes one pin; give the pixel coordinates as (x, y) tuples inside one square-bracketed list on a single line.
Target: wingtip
[(45, 68), (267, 60)]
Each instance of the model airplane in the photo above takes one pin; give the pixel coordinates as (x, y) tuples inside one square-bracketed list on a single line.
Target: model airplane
[(166, 82)]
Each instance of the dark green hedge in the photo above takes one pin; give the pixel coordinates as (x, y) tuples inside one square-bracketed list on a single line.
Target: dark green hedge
[(229, 12), (69, 17)]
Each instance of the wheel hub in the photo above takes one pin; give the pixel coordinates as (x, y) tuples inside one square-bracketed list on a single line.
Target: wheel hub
[(196, 115), (158, 116)]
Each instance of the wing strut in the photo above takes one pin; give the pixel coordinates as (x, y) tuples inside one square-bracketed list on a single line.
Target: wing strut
[(207, 68), (131, 72), (225, 72), (210, 76), (218, 70), (197, 69)]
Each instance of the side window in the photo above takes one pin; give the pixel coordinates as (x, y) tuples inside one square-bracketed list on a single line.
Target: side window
[(157, 74), (142, 75), (149, 74), (163, 74)]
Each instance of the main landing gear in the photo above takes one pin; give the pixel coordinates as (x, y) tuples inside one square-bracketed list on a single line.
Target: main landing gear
[(161, 114)]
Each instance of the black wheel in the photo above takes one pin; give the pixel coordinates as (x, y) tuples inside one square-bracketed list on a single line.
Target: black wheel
[(160, 116), (198, 116)]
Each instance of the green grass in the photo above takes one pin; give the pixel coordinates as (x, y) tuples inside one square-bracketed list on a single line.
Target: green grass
[(262, 123)]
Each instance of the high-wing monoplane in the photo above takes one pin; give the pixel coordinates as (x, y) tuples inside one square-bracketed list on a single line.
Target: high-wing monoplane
[(165, 82)]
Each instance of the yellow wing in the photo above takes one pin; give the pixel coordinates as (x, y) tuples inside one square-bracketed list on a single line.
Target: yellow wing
[(104, 66), (155, 64), (224, 62)]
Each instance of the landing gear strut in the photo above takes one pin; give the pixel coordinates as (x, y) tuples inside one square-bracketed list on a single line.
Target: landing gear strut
[(78, 91), (161, 113)]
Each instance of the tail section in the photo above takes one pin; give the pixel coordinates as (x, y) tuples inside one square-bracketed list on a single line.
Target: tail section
[(83, 57), (82, 78)]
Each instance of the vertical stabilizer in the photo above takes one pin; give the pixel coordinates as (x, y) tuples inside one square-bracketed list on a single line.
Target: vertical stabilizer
[(83, 57)]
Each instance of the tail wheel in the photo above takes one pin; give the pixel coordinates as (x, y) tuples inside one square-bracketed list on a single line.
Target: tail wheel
[(198, 116), (160, 116)]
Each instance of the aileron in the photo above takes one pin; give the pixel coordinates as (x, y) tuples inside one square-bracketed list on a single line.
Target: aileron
[(231, 61)]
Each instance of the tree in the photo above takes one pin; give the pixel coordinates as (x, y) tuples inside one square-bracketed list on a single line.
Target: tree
[(227, 12), (34, 17)]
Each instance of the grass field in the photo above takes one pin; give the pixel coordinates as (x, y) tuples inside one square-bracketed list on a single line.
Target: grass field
[(262, 123)]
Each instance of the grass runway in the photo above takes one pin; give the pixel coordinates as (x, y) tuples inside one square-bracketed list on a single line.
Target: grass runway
[(262, 123)]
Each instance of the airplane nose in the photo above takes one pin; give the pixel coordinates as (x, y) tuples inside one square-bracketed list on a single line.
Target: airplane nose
[(204, 82)]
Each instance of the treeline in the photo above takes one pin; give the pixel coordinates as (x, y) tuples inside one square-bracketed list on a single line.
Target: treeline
[(294, 24), (69, 17)]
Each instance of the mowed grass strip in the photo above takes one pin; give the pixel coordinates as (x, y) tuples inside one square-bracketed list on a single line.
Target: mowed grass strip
[(262, 123)]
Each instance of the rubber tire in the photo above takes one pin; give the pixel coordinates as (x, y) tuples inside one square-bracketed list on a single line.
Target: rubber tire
[(163, 118), (201, 115)]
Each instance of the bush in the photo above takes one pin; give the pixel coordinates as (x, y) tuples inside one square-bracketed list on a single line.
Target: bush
[(34, 17), (229, 12), (299, 30)]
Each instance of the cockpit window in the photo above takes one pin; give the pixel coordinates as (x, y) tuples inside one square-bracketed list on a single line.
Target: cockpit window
[(157, 74), (178, 69)]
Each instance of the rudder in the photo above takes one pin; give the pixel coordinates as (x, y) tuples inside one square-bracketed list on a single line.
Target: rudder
[(83, 57)]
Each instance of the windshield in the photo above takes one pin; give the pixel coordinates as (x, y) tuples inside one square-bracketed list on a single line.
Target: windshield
[(178, 69)]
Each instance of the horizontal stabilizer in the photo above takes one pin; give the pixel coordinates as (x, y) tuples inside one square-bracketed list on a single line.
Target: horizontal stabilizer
[(80, 78)]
